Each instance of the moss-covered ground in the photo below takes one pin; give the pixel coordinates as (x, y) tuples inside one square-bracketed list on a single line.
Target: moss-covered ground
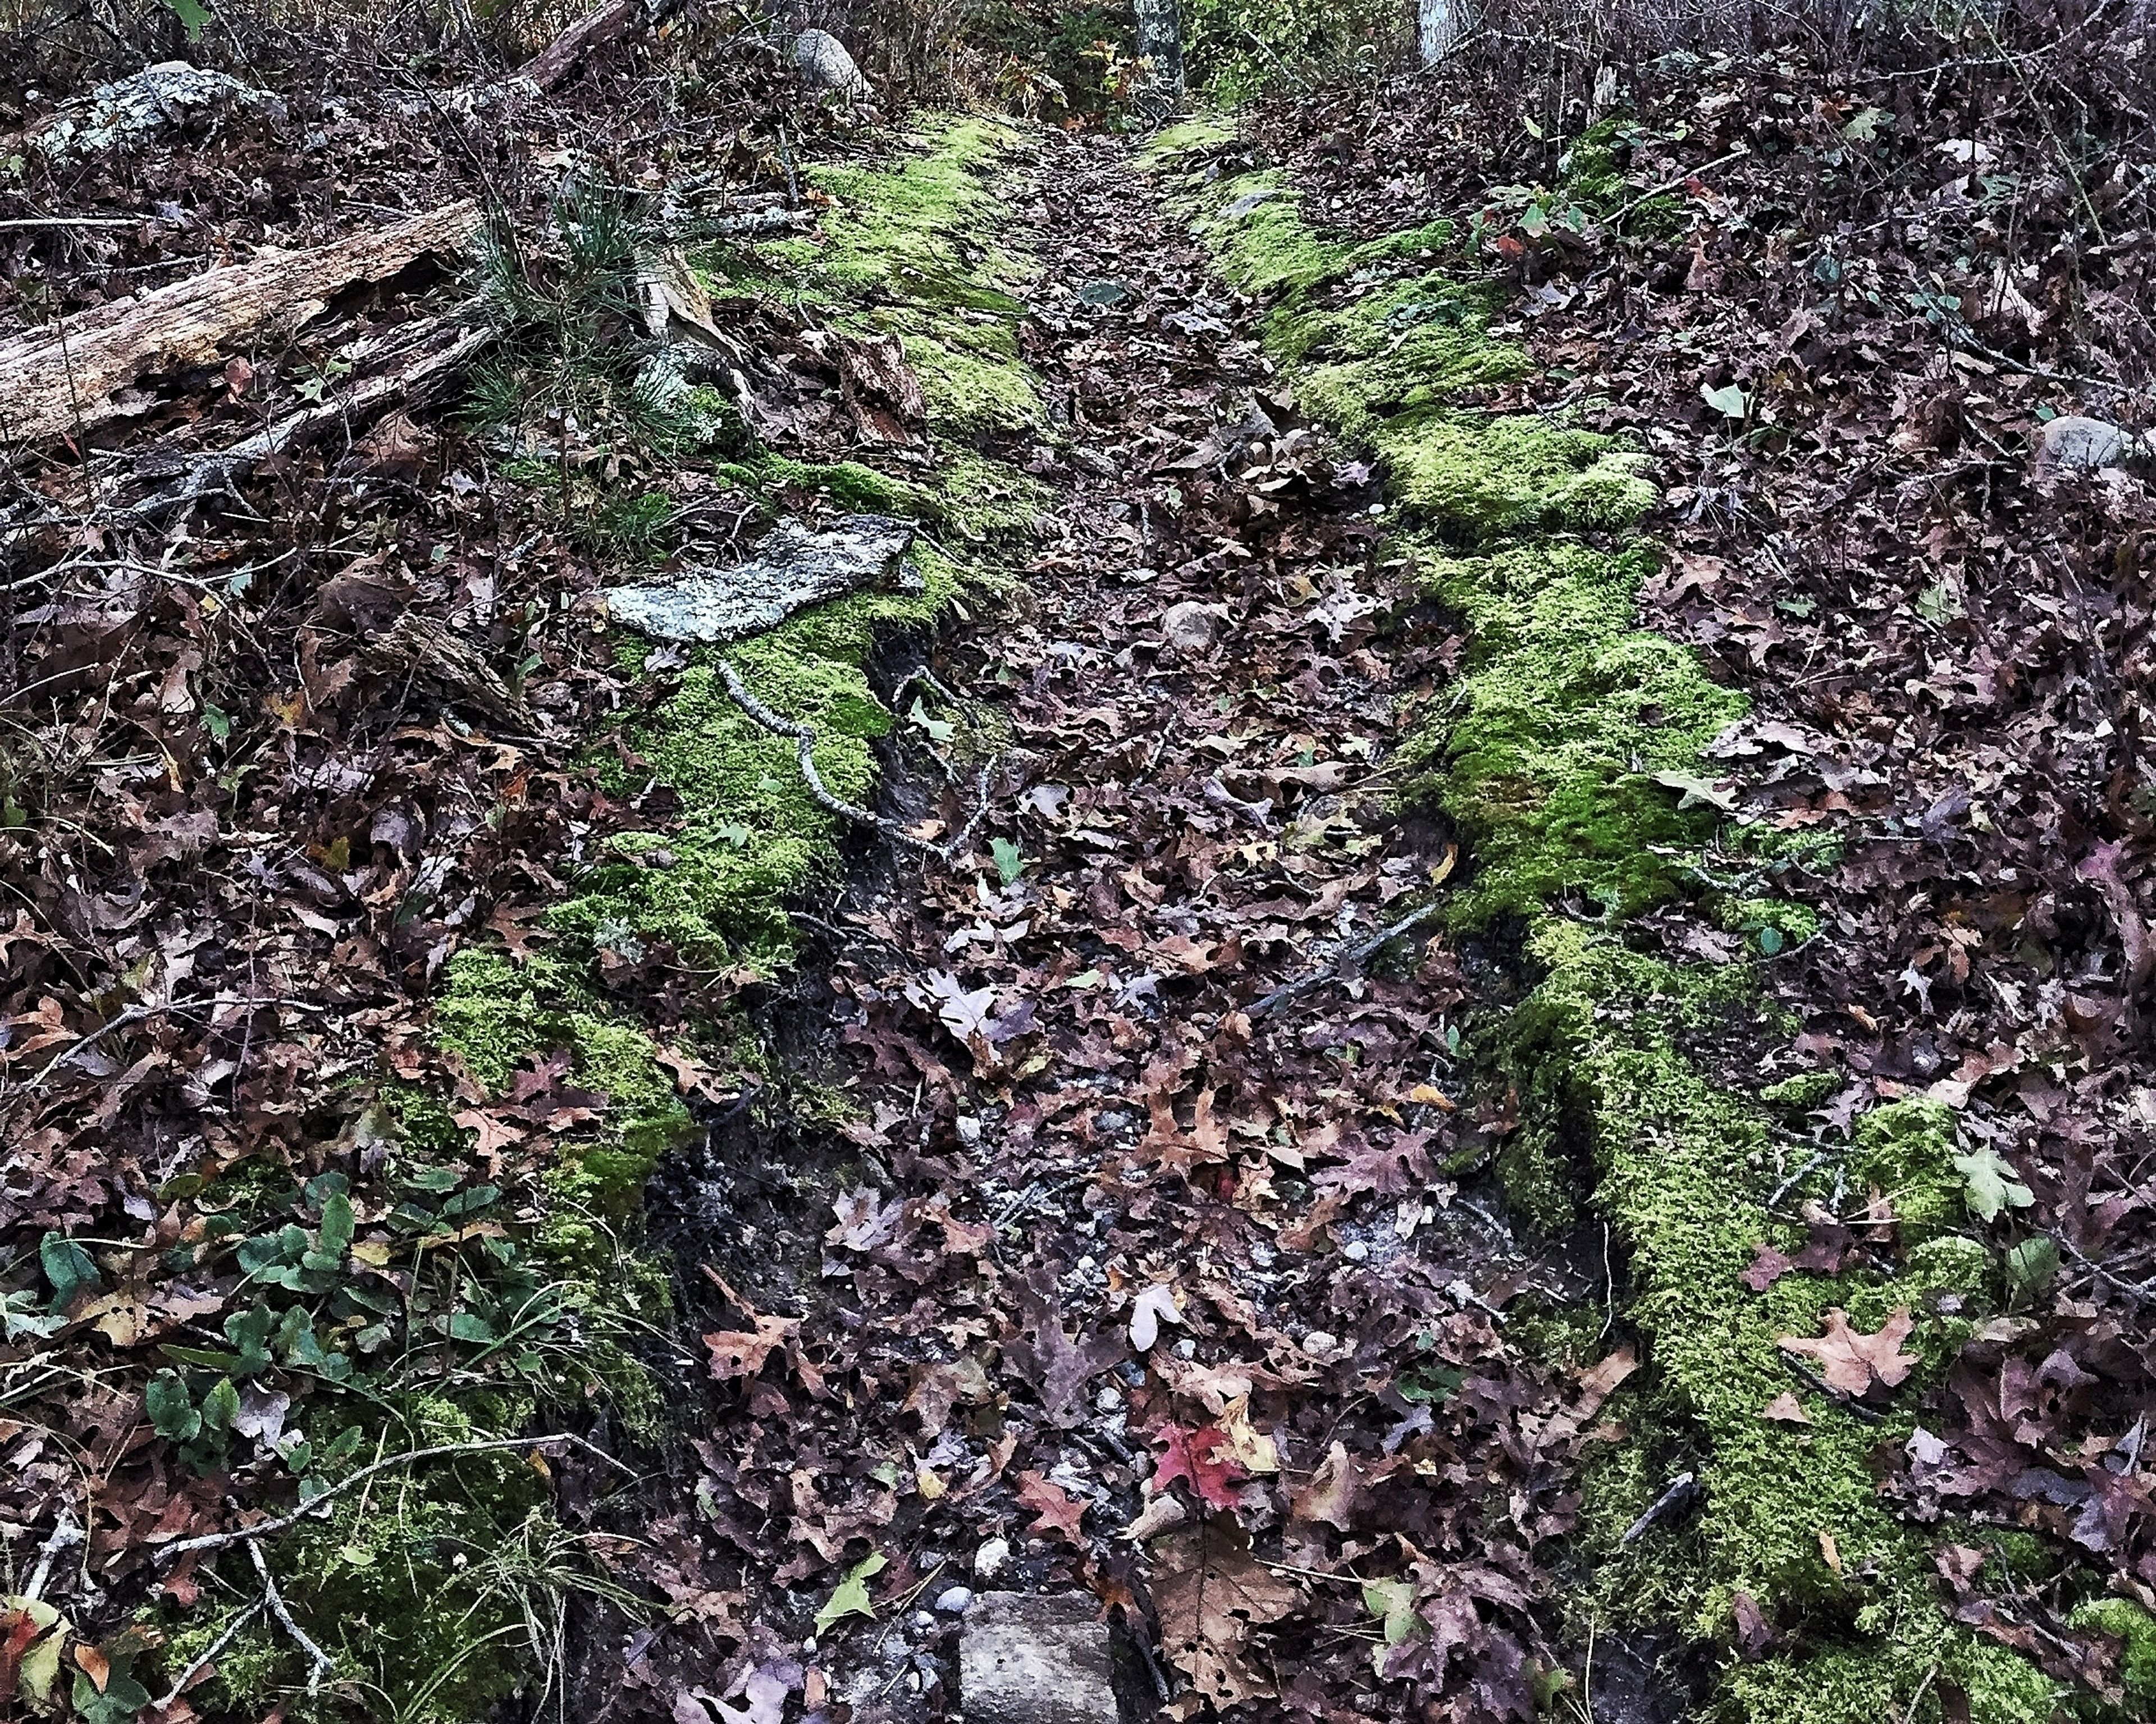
[(1570, 759), (491, 1303)]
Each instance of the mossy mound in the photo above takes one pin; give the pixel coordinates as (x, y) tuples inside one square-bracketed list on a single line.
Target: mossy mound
[(1568, 712), (1571, 759)]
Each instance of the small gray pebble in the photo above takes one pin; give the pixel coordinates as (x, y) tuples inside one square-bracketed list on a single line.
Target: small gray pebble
[(953, 1601)]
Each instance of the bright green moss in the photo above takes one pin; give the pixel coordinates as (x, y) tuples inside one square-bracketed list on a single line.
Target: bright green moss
[(1685, 1168), (911, 232), (1569, 711), (2137, 1628), (1261, 245), (1479, 477), (1905, 1151)]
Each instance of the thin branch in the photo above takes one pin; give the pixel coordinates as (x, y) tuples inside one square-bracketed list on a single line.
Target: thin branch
[(1349, 962), (804, 738), (1689, 174), (270, 1596), (269, 1529), (231, 1631)]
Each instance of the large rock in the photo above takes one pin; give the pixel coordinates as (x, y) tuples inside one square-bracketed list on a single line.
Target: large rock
[(793, 569), (2075, 444), (1035, 1659), (823, 63), (156, 98)]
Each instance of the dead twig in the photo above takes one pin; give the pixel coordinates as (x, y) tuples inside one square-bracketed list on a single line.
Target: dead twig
[(270, 1529), (804, 738), (274, 1601), (1347, 963)]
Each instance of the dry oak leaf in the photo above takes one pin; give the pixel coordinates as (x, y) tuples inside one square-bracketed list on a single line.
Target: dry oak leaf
[(1785, 1408), (1331, 1492), (1209, 1593), (1851, 1362), (1056, 1513), (738, 1353)]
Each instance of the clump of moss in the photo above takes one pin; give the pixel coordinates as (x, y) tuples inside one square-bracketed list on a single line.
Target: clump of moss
[(1791, 1514), (2137, 1628), (1570, 712)]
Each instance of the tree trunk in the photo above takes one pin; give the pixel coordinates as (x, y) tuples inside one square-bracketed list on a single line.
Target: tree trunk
[(1160, 51), (1440, 25)]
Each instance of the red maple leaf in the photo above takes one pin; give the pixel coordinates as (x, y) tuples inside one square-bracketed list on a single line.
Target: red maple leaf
[(1204, 1458), (1055, 1512)]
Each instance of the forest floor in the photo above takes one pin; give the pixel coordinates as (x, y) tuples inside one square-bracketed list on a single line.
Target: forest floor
[(1483, 1059)]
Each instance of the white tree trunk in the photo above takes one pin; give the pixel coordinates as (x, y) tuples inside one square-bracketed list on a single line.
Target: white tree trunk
[(1440, 25)]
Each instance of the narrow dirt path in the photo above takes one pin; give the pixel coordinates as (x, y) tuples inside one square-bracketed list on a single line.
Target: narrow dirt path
[(1148, 1226)]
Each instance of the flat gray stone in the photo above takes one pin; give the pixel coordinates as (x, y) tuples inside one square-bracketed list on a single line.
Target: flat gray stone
[(1035, 1659), (793, 569)]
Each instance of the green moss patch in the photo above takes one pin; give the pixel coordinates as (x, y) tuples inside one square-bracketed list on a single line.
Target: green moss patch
[(1568, 712), (1571, 759)]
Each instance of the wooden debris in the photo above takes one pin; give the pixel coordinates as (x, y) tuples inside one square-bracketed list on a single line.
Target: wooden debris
[(63, 381)]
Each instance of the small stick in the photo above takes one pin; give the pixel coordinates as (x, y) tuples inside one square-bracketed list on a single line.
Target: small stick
[(1682, 1491), (804, 738), (216, 1646), (74, 221), (269, 1529), (1688, 175), (323, 1662), (1352, 959)]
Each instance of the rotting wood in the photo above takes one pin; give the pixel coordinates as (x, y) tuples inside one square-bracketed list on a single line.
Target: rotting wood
[(416, 381), (62, 380)]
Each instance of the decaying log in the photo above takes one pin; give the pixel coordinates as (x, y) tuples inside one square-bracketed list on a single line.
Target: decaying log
[(59, 380), (433, 350)]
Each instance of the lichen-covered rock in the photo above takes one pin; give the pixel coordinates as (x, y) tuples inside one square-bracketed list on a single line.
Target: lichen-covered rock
[(154, 100), (2074, 443), (793, 569), (823, 63)]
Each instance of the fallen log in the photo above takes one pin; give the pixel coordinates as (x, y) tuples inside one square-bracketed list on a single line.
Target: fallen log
[(62, 381), (415, 380)]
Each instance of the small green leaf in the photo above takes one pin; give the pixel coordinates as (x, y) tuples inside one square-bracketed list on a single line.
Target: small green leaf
[(1010, 860), (171, 1408), (852, 1597), (1993, 1186), (192, 15), (217, 721), (67, 1266), (1729, 400), (2031, 1266), (1770, 940), (220, 1406)]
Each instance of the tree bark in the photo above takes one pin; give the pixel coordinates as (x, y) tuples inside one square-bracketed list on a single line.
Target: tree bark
[(60, 380), (1440, 25), (1160, 49)]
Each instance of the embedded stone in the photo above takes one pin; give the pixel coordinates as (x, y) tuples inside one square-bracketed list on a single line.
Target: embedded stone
[(1036, 1659), (1191, 627), (823, 63), (2078, 445)]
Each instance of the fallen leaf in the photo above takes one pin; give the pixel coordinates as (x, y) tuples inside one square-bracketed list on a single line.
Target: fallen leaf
[(1852, 1361)]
